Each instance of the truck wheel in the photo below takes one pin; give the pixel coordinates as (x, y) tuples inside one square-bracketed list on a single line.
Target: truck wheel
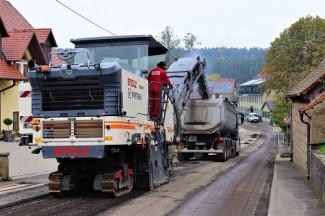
[(239, 147), (222, 157), (228, 149)]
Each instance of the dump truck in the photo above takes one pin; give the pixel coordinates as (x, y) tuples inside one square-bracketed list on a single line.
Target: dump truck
[(209, 127), (205, 126)]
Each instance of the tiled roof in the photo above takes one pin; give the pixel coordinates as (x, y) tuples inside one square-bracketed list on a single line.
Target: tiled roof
[(310, 81), (9, 72), (13, 21), (311, 106), (14, 47), (11, 18), (3, 29), (269, 104), (227, 80), (43, 34)]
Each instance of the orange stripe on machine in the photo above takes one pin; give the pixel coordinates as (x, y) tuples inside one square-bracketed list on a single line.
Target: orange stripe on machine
[(127, 125), (122, 126)]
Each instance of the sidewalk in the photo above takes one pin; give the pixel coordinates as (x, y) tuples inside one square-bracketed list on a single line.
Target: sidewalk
[(292, 193), (22, 163), (29, 173)]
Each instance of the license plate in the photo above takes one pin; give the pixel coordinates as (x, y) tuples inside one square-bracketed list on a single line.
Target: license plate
[(192, 138), (200, 143)]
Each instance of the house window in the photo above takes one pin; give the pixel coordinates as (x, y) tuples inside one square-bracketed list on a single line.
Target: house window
[(266, 114)]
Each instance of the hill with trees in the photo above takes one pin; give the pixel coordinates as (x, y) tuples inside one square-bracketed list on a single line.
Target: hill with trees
[(241, 64)]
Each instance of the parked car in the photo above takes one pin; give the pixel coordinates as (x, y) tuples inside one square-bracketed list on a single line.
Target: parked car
[(252, 117)]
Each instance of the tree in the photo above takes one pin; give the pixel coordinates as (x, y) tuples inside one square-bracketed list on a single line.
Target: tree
[(299, 50), (190, 41), (214, 76), (280, 110), (170, 40)]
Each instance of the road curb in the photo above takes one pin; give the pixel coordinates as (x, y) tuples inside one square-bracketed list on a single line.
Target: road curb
[(5, 193)]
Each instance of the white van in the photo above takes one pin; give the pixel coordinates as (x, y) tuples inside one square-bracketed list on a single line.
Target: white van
[(252, 117)]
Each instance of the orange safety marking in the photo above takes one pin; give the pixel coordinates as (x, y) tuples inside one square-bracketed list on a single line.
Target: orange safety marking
[(120, 126), (128, 125), (169, 129), (39, 127), (126, 122), (121, 122)]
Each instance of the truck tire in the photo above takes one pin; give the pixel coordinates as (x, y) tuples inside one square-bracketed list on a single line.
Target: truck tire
[(233, 151), (222, 157), (238, 150), (225, 155)]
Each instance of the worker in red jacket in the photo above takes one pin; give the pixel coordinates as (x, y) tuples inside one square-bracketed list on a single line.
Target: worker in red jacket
[(158, 76)]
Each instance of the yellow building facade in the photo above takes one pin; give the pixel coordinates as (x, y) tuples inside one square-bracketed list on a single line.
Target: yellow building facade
[(9, 98), (252, 99)]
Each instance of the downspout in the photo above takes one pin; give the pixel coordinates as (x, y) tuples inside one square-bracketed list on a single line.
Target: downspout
[(291, 139), (9, 87), (308, 140), (2, 90)]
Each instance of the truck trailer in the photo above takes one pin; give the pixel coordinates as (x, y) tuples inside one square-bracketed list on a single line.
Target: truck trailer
[(209, 127)]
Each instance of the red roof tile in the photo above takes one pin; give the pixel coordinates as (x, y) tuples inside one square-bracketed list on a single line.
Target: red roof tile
[(12, 19), (14, 47), (9, 72), (312, 105), (227, 80), (42, 35)]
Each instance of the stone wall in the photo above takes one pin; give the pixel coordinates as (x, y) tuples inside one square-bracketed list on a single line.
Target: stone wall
[(299, 136), (318, 123), (318, 173)]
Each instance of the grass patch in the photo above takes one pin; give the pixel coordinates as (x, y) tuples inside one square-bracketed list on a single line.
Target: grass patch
[(322, 149), (6, 178), (275, 152)]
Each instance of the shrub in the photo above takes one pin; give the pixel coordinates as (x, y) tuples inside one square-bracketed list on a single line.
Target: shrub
[(8, 122), (322, 149)]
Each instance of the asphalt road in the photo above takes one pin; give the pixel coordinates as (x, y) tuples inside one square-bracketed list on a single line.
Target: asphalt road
[(243, 190), (199, 187)]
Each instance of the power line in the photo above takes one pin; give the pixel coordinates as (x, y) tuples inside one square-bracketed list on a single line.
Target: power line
[(86, 18)]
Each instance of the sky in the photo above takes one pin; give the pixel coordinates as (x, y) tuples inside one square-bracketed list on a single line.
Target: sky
[(216, 23)]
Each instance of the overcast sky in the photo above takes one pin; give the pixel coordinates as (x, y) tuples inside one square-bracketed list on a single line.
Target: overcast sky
[(229, 23)]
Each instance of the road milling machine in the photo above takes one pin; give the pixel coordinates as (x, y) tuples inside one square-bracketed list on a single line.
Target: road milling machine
[(91, 114)]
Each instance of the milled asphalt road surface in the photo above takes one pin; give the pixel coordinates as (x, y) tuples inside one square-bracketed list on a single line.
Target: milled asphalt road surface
[(238, 191)]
